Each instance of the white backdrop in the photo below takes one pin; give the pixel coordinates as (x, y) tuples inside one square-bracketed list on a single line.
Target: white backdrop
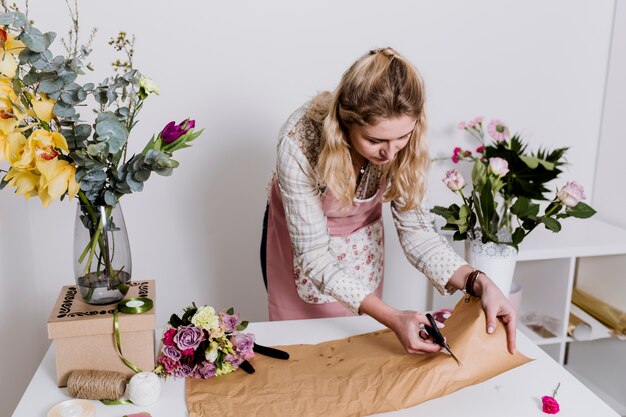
[(239, 68)]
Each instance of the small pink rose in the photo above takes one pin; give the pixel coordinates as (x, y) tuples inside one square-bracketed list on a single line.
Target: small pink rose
[(453, 180), (550, 405), (498, 167), (571, 194)]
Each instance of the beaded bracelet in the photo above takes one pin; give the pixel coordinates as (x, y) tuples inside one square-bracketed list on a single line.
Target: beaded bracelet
[(469, 283)]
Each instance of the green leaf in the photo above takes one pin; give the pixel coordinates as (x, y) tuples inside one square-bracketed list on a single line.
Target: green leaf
[(479, 174), (530, 161), (520, 207), (48, 38), (33, 39), (581, 211), (112, 131), (175, 321), (518, 235), (109, 198), (15, 19), (230, 311), (51, 86), (62, 109), (242, 326), (552, 224)]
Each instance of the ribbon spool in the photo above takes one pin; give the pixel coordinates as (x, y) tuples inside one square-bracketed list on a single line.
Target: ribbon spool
[(91, 384), (73, 408), (135, 305)]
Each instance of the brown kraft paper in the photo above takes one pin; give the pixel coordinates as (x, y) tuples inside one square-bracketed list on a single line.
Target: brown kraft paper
[(361, 375)]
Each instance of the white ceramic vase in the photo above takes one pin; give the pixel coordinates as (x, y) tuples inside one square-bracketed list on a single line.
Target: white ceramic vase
[(497, 260)]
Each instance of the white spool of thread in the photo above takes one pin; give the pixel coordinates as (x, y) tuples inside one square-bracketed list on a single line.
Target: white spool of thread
[(73, 408), (144, 388)]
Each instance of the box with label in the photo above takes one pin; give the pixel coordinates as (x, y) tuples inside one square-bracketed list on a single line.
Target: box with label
[(84, 339)]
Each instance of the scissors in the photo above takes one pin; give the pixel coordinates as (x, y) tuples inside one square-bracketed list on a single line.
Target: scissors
[(433, 331)]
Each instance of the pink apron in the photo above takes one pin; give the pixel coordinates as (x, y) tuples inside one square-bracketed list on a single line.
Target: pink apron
[(358, 238)]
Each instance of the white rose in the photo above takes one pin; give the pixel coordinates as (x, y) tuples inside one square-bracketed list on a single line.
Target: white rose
[(571, 194), (498, 167)]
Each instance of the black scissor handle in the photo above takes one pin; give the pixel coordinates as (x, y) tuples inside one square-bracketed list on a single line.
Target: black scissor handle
[(433, 330), (271, 352)]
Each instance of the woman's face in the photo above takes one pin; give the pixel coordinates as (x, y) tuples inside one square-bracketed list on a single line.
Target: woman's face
[(380, 142)]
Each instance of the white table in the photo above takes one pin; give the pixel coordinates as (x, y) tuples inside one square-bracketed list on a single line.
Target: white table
[(514, 393)]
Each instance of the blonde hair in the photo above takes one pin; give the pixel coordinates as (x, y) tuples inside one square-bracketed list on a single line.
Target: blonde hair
[(380, 85)]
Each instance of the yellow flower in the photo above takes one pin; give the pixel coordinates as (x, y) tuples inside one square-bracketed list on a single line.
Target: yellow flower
[(9, 101), (11, 48), (226, 368), (205, 318), (57, 177), (12, 147), (41, 146), (42, 108), (24, 180)]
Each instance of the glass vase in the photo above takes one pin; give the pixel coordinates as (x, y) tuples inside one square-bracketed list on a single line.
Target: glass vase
[(102, 262)]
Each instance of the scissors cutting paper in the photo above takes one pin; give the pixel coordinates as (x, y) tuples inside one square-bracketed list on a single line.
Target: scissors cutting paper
[(433, 331)]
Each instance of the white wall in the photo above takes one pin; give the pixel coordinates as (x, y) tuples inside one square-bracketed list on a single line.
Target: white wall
[(609, 197), (239, 68)]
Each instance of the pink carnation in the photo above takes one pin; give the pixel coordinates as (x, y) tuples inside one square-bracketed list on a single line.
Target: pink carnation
[(461, 125), (168, 337), (168, 363)]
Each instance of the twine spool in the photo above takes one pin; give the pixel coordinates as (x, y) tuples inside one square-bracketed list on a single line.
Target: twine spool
[(91, 384)]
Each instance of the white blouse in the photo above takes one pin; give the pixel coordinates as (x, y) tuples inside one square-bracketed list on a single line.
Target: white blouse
[(314, 258)]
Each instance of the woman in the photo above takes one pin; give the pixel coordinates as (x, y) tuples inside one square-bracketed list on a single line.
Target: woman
[(339, 157)]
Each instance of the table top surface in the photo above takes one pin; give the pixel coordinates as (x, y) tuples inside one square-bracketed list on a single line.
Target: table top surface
[(514, 393)]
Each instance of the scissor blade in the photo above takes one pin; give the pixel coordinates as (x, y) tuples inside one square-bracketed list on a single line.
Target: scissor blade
[(453, 355)]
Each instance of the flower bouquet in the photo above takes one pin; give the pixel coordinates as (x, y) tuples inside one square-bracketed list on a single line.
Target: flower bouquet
[(507, 184), (205, 344), (52, 152)]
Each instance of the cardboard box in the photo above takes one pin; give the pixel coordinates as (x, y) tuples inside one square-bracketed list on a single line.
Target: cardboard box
[(83, 333)]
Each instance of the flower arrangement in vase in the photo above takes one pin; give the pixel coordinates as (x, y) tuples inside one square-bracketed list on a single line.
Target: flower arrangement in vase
[(53, 153), (507, 186)]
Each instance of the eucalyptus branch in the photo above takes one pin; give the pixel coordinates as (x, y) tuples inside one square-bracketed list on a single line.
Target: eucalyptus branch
[(72, 44)]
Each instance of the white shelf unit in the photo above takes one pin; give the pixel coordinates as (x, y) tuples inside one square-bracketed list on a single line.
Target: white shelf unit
[(592, 254)]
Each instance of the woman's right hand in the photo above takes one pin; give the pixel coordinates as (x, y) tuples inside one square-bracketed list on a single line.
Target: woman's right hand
[(408, 327)]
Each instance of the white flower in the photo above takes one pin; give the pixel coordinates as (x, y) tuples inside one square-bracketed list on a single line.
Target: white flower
[(211, 352), (571, 194), (205, 318), (454, 180), (498, 167), (148, 85)]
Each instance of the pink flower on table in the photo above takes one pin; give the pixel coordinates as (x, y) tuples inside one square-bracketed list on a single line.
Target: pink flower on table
[(229, 322), (243, 344), (171, 352), (168, 363), (571, 194), (205, 370), (453, 180), (188, 337), (498, 130), (498, 167), (550, 405), (168, 337)]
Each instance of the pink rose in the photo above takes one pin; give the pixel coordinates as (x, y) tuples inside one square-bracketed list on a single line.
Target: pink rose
[(498, 167), (480, 149), (550, 405), (453, 180), (571, 194)]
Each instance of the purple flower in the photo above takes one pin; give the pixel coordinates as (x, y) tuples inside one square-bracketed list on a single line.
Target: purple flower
[(172, 131), (183, 371), (171, 352), (229, 322), (205, 370), (188, 337), (234, 360), (243, 344)]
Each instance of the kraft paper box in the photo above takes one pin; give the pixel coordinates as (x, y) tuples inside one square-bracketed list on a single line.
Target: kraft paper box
[(83, 333)]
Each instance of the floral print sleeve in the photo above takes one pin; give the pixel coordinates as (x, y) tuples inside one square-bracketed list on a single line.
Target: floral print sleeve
[(427, 250)]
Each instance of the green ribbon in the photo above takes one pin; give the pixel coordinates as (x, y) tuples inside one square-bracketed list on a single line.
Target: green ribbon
[(136, 305)]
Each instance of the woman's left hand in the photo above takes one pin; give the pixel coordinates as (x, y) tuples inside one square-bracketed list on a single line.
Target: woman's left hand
[(496, 306)]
